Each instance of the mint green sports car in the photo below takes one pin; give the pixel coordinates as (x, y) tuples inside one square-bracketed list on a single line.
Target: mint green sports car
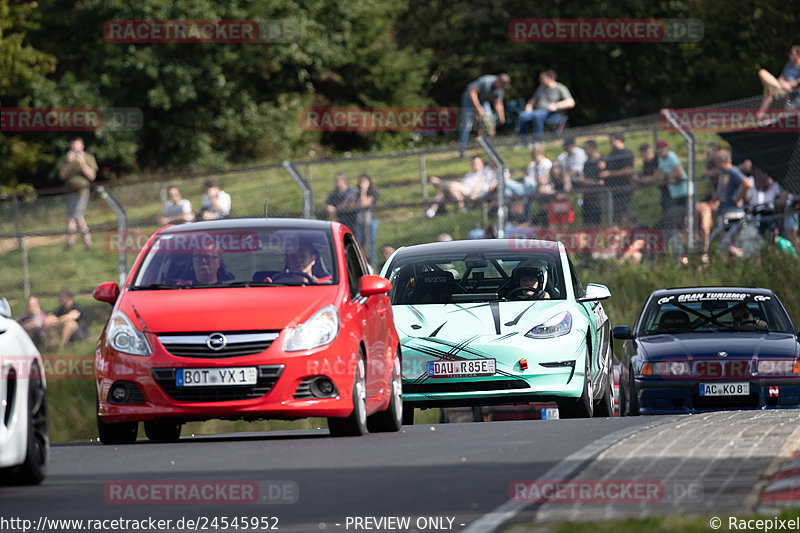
[(497, 322)]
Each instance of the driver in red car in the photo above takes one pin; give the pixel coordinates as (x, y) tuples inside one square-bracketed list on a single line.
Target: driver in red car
[(206, 265)]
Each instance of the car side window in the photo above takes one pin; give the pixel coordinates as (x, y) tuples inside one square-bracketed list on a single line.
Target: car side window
[(355, 268), (577, 288)]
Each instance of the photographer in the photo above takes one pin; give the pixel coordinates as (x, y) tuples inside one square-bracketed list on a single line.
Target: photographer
[(77, 171)]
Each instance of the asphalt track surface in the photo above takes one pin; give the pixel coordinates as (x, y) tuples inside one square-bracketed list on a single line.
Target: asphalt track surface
[(444, 477)]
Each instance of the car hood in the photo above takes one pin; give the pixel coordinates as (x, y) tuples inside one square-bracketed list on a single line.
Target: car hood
[(735, 345), (458, 321), (225, 309)]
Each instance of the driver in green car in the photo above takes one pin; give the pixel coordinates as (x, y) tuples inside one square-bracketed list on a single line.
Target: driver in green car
[(532, 279)]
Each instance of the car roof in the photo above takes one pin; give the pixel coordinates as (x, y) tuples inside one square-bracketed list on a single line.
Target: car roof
[(251, 224), (685, 290), (477, 246)]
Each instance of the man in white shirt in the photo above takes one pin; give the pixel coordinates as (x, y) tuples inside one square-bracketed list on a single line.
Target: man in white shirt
[(216, 203), (177, 210), (572, 160), (473, 185)]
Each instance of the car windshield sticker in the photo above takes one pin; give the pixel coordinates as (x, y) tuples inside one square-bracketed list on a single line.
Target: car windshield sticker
[(711, 296)]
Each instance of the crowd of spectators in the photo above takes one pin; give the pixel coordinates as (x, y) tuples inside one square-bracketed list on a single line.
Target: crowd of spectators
[(215, 205)]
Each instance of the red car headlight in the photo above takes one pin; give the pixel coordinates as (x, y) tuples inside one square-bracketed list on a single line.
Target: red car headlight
[(124, 337)]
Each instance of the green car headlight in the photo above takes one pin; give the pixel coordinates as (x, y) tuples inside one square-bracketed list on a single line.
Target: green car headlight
[(558, 325)]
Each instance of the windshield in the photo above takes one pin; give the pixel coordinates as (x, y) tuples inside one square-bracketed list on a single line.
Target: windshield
[(238, 257), (714, 311), (476, 277)]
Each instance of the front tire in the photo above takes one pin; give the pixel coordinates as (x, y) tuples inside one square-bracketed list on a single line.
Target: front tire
[(605, 406), (34, 469), (115, 433), (390, 419), (633, 398), (356, 424), (162, 430), (584, 406)]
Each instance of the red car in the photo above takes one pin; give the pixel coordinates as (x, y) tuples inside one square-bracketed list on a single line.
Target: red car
[(248, 319)]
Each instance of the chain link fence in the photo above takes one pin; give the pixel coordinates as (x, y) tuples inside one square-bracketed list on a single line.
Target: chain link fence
[(637, 215)]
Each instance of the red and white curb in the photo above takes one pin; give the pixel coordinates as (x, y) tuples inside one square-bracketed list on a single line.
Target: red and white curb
[(783, 489)]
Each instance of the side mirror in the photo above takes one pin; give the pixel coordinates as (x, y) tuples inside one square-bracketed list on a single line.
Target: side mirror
[(622, 332), (5, 308), (106, 292), (371, 285), (595, 292)]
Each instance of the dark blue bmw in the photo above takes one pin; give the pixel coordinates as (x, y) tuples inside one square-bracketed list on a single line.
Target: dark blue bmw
[(709, 348)]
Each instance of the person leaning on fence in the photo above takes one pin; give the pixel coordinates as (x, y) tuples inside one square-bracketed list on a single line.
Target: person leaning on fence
[(177, 209), (619, 175), (670, 172), (785, 86), (473, 186), (761, 196), (705, 221), (546, 106), (78, 170), (340, 202), (477, 99), (540, 165), (216, 203), (366, 227), (731, 180), (572, 160), (591, 183)]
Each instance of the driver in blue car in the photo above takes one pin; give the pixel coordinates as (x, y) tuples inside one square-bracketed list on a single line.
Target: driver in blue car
[(743, 317), (530, 285)]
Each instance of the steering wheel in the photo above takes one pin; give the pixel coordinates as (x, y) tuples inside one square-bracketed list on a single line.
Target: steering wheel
[(535, 296), (292, 273)]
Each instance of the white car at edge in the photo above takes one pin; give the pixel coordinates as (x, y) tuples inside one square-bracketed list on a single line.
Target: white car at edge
[(24, 433)]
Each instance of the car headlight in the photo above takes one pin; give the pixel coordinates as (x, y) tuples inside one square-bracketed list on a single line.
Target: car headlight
[(561, 324), (320, 329), (665, 369), (124, 337)]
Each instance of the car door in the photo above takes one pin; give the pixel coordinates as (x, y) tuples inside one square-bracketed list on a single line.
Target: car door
[(599, 326), (371, 312)]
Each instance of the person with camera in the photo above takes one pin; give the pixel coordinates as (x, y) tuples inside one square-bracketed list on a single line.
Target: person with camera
[(78, 170)]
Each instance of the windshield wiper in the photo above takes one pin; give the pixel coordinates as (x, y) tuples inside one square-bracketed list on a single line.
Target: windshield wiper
[(670, 330), (746, 327), (253, 284), (156, 286)]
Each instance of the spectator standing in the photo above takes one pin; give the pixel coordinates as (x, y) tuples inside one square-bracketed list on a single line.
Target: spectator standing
[(731, 179), (78, 170), (477, 99), (671, 173), (784, 86), (216, 203), (473, 186), (546, 106), (591, 183), (572, 160), (340, 202), (177, 209), (619, 175), (761, 194), (366, 227)]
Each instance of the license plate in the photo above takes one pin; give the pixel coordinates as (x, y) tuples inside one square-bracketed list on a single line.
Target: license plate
[(724, 389), (550, 413), (215, 377), (461, 368)]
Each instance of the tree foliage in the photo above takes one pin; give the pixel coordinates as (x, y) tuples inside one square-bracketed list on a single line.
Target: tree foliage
[(210, 105)]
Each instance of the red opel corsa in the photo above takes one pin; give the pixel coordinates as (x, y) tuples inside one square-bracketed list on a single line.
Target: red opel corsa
[(248, 318)]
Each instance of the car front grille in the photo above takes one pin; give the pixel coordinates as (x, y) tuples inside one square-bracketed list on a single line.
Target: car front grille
[(237, 343), (465, 386), (267, 377)]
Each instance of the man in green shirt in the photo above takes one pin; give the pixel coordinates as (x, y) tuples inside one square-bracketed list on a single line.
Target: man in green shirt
[(78, 171)]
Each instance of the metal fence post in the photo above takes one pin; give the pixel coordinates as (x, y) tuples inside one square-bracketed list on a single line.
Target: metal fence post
[(308, 203), (122, 228), (501, 186), (23, 248), (690, 197), (423, 176)]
